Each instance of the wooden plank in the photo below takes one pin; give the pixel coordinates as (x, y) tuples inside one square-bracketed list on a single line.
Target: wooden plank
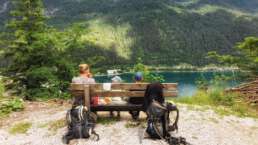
[(87, 96), (122, 86), (122, 93), (128, 93), (76, 87), (77, 93)]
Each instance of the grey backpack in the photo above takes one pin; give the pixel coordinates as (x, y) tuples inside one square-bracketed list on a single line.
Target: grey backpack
[(81, 124)]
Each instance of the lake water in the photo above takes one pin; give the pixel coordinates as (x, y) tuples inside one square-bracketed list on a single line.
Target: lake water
[(186, 80)]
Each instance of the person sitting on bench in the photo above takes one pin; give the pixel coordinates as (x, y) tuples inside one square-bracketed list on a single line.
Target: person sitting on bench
[(116, 100), (138, 78), (85, 77), (85, 71)]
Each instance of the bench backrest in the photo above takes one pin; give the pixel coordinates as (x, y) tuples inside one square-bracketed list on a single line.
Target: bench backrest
[(118, 90)]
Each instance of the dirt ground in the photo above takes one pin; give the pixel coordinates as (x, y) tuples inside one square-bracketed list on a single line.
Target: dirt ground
[(199, 127)]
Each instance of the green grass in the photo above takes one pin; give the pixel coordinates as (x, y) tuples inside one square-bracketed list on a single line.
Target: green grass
[(107, 120), (20, 128), (2, 88), (53, 126), (8, 105), (238, 109), (134, 124), (201, 98), (221, 102)]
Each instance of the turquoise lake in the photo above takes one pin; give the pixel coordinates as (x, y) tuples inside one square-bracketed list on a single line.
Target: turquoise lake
[(186, 80)]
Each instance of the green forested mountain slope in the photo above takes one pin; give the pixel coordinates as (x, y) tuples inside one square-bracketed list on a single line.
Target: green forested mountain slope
[(159, 31)]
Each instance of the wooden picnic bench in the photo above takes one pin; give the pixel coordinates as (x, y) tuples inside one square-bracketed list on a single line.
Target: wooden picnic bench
[(117, 90)]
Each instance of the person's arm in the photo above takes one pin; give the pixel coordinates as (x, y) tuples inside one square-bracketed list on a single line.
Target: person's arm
[(90, 75)]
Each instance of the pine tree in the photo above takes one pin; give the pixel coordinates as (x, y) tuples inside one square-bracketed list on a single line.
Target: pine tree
[(33, 51), (25, 26)]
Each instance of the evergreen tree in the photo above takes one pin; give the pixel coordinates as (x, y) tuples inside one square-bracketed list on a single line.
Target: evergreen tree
[(25, 28), (246, 57), (35, 53)]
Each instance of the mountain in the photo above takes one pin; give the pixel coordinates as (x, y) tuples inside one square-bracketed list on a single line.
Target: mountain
[(164, 32)]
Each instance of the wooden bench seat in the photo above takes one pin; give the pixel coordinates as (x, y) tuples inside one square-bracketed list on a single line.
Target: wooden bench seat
[(117, 90)]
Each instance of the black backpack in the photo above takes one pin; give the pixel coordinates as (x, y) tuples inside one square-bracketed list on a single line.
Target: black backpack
[(159, 124), (81, 124)]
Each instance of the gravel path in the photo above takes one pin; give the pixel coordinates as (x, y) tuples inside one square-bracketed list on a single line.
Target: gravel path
[(198, 127)]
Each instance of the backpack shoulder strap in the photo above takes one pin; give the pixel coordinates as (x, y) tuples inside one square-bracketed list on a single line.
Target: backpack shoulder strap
[(68, 117), (93, 119), (159, 105), (170, 108)]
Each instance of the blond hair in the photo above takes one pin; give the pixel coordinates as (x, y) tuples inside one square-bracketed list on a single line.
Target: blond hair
[(83, 67)]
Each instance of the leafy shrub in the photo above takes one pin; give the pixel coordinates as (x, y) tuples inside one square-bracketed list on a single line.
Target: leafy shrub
[(245, 56), (147, 75), (41, 83), (213, 91), (219, 97), (47, 82), (202, 83), (220, 81), (225, 103), (9, 105), (65, 73)]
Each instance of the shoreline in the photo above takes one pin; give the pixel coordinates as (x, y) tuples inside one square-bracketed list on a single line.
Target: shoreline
[(171, 69), (189, 68)]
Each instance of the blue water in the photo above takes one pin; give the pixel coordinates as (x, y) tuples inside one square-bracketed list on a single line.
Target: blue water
[(187, 85)]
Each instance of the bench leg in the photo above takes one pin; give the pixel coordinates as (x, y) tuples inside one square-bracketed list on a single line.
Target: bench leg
[(87, 96), (135, 114)]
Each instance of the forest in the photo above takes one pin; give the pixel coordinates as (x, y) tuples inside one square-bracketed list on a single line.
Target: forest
[(161, 32), (42, 42)]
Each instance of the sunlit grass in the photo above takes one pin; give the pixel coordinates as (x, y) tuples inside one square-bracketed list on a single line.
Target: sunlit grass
[(221, 102), (10, 104), (20, 128), (107, 120), (136, 123), (110, 37), (53, 126), (213, 8), (2, 89)]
